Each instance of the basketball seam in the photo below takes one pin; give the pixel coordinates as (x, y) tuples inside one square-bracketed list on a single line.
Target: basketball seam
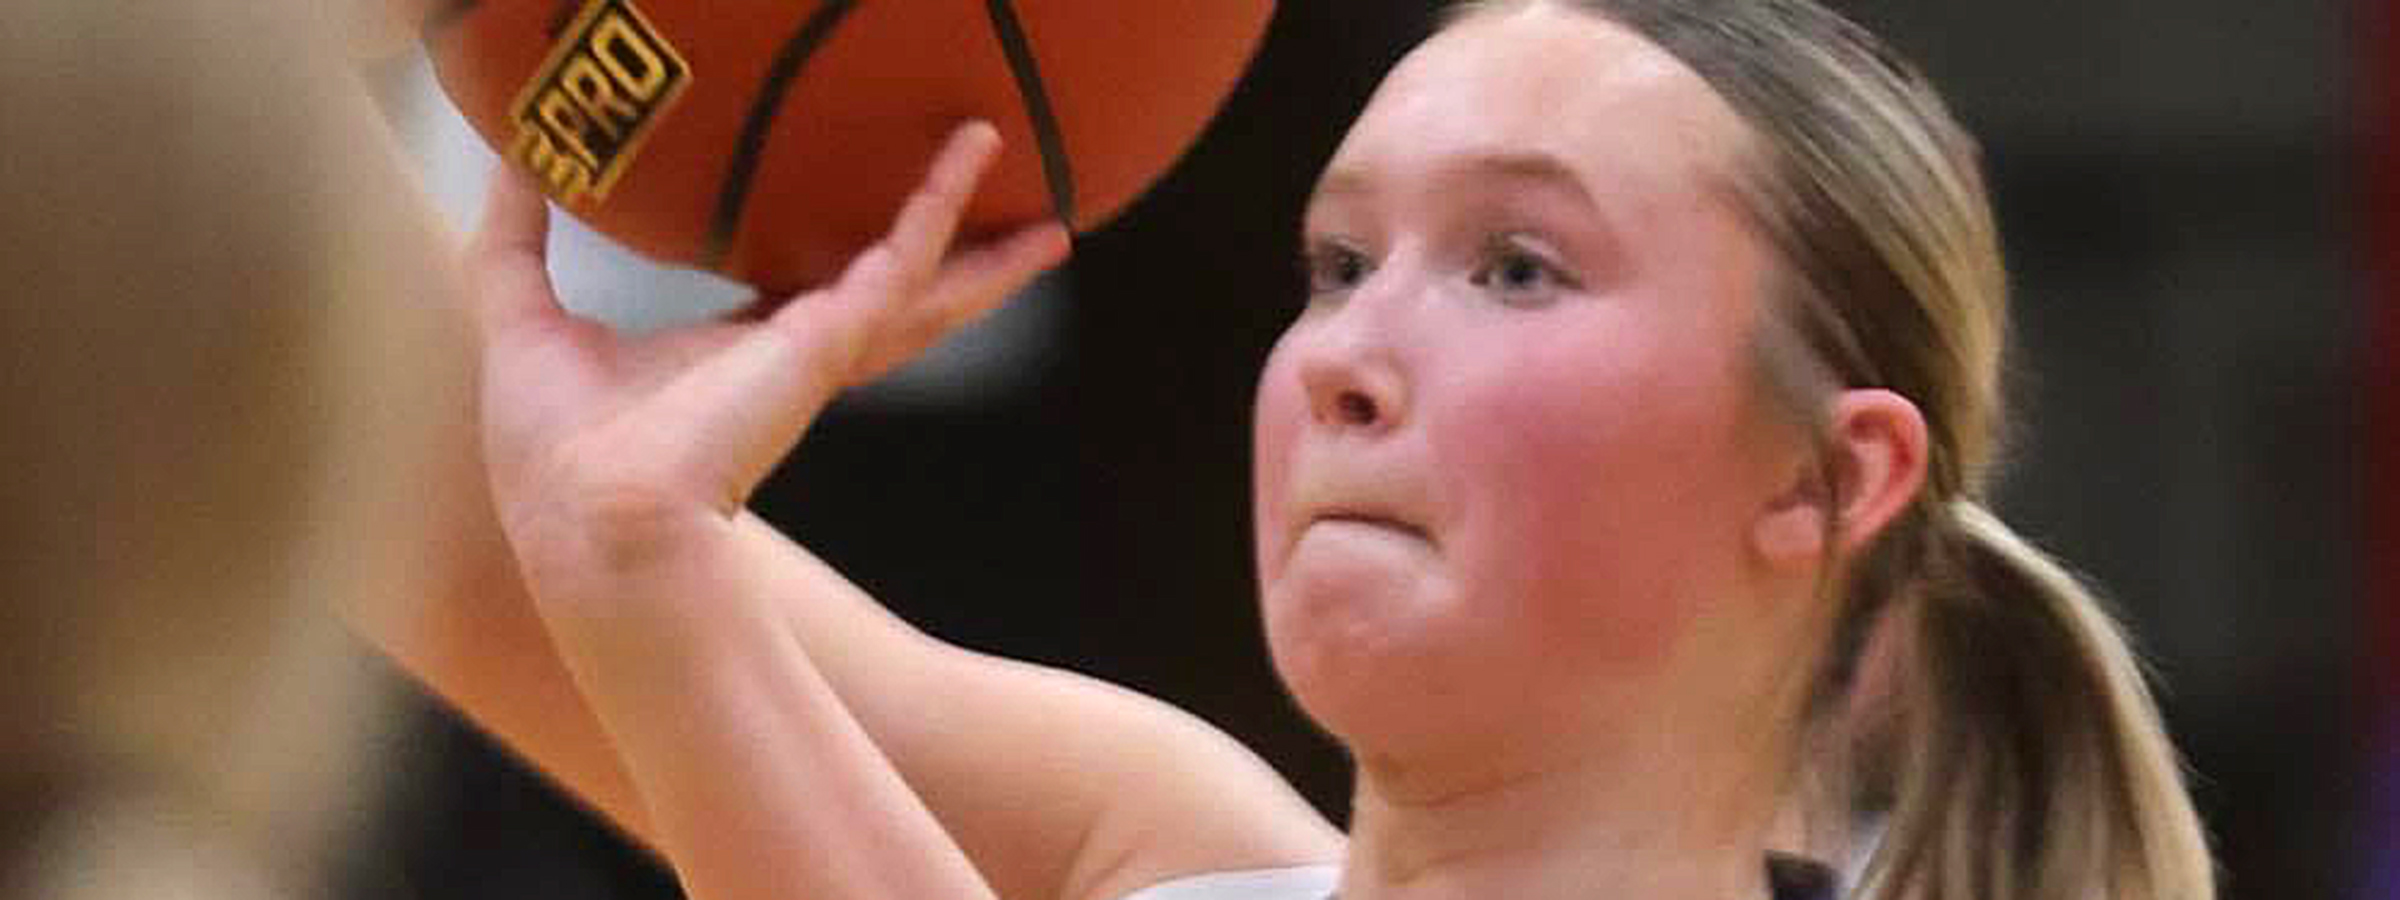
[(733, 199), (1057, 167)]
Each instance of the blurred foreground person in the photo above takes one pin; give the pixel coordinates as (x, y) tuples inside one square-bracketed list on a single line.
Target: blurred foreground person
[(209, 259)]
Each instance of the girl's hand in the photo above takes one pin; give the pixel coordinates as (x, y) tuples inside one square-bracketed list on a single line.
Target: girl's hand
[(607, 451), (730, 699)]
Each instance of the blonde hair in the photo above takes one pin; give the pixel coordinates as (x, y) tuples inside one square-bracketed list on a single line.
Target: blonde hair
[(2020, 754), (205, 430)]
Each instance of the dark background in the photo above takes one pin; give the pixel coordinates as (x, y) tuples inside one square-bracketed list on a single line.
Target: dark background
[(2176, 186)]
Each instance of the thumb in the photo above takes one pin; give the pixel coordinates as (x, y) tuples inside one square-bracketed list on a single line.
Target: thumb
[(508, 267)]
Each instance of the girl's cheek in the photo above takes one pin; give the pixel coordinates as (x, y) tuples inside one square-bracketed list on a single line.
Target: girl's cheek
[(1581, 475), (1274, 428)]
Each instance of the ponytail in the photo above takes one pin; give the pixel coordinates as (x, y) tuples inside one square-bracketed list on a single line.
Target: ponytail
[(2030, 758)]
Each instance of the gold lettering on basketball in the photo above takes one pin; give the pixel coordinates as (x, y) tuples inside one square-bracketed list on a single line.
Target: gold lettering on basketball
[(618, 44), (565, 124), (593, 91), (606, 86), (565, 177)]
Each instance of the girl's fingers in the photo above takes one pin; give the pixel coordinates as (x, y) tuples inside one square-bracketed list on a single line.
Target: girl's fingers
[(970, 286), (922, 232), (755, 399), (738, 411), (888, 283), (980, 278), (895, 268), (507, 262)]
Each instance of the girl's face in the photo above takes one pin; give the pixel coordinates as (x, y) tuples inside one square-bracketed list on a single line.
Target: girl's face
[(1514, 440)]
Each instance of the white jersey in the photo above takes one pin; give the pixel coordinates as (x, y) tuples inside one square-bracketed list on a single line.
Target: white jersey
[(1295, 883), (1792, 878)]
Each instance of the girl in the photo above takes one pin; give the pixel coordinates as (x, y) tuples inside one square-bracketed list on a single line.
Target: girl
[(1618, 506)]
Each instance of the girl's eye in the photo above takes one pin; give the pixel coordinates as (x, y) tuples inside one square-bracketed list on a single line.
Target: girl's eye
[(1521, 275), (1333, 268)]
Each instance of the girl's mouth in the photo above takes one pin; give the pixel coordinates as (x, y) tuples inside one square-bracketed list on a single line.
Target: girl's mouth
[(1374, 520)]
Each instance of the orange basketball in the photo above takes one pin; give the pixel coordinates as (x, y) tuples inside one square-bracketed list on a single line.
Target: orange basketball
[(770, 140)]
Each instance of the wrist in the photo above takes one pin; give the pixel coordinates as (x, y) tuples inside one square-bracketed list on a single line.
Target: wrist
[(623, 562)]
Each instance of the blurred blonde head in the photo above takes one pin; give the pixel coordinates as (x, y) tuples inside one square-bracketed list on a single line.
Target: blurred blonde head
[(206, 429)]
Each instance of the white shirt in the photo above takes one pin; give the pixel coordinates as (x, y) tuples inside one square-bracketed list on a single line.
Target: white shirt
[(1296, 883)]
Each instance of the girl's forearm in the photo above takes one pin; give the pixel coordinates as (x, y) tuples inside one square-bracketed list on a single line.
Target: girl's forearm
[(756, 780)]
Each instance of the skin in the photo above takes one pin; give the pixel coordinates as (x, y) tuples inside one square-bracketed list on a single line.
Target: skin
[(1516, 439), (1531, 543), (1533, 540), (378, 30), (1540, 365), (758, 719)]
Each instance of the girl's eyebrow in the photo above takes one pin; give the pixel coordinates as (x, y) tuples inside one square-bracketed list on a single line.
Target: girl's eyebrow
[(1523, 166), (1340, 183), (1535, 166)]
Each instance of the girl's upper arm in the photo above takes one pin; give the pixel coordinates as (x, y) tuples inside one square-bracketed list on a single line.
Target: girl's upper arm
[(1137, 792), (1056, 785)]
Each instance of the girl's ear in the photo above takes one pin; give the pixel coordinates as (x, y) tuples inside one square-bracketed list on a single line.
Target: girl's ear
[(1872, 465)]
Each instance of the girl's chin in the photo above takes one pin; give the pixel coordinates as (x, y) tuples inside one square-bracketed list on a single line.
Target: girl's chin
[(1375, 697), (1349, 587)]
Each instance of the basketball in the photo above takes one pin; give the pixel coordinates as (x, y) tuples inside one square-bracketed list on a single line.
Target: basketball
[(771, 141)]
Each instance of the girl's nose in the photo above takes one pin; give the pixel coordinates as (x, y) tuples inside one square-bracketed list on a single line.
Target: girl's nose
[(1351, 370)]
